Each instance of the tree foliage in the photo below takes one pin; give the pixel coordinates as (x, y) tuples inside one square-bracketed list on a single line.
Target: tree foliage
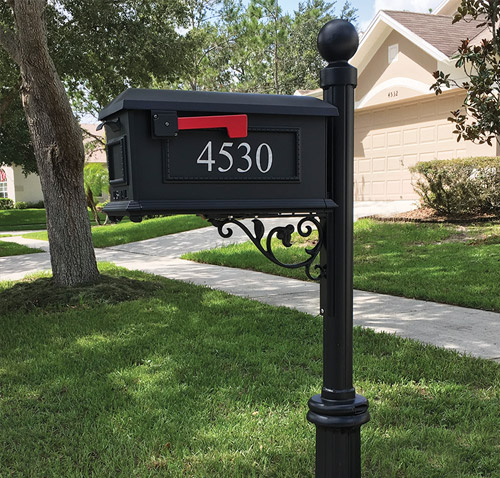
[(15, 143), (209, 52), (257, 48), (101, 47), (478, 120), (301, 61)]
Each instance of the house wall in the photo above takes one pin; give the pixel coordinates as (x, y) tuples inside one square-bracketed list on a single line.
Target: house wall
[(96, 153), (20, 187), (27, 188), (391, 138), (407, 77)]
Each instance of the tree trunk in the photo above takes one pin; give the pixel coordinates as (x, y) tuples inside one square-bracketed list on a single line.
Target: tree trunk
[(58, 146)]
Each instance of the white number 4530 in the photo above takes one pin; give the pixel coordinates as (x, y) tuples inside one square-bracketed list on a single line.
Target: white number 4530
[(210, 162)]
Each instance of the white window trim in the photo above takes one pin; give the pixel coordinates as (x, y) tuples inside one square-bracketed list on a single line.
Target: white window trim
[(3, 190)]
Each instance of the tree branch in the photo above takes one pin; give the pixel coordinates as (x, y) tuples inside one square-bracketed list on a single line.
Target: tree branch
[(96, 137)]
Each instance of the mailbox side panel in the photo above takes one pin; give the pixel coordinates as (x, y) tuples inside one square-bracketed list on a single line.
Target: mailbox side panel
[(119, 155)]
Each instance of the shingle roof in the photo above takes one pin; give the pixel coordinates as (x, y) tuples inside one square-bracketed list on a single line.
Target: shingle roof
[(438, 30)]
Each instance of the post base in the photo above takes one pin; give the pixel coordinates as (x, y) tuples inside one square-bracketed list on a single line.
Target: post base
[(338, 442)]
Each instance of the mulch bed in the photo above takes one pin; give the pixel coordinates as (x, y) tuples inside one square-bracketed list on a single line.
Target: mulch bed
[(430, 216)]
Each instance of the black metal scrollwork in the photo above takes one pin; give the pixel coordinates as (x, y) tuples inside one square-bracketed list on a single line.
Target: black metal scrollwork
[(284, 234)]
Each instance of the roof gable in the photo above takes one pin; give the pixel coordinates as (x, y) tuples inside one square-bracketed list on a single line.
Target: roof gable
[(438, 30), (390, 77), (436, 35), (376, 34), (426, 43)]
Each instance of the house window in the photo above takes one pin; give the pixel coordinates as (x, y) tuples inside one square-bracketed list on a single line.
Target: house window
[(3, 184), (393, 51)]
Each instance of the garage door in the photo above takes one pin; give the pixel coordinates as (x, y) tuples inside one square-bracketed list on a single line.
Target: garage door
[(390, 139)]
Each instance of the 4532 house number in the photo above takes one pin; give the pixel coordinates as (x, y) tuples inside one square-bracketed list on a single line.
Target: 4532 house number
[(239, 158), (393, 94)]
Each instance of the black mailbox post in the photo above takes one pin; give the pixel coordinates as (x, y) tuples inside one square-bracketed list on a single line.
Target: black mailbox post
[(205, 152), (227, 156)]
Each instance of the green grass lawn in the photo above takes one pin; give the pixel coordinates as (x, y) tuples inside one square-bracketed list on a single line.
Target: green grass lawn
[(125, 232), (20, 219), (13, 249), (185, 381), (444, 263)]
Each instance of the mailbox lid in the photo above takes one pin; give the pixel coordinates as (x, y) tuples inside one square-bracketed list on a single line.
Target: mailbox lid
[(216, 102)]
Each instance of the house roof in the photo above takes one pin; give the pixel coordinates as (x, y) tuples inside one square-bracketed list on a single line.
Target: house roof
[(434, 34), (438, 30)]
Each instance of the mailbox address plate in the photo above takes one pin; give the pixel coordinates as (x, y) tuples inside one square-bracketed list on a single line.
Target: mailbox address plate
[(264, 155)]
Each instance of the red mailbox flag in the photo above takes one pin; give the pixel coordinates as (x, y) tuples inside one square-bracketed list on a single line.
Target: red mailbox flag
[(236, 125)]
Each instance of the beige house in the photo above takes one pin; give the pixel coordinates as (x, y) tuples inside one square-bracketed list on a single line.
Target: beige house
[(18, 187), (398, 119), (14, 185)]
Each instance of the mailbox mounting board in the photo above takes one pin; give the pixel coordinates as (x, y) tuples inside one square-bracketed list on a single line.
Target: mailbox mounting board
[(205, 152)]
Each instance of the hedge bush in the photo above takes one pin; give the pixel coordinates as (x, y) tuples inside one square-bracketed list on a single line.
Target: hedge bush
[(21, 205), (36, 205), (6, 203), (467, 186)]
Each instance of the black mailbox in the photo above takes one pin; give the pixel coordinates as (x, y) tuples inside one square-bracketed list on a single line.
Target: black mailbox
[(209, 153)]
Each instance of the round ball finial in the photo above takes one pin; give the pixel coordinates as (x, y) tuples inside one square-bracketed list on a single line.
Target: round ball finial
[(338, 41)]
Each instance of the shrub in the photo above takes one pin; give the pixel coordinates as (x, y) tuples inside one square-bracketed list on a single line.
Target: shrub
[(466, 186), (36, 205), (6, 203), (21, 205), (96, 178)]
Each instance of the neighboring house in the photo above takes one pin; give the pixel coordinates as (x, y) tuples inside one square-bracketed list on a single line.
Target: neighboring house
[(18, 187), (398, 119), (97, 153)]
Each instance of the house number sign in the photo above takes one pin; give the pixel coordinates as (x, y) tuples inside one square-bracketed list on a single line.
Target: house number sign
[(210, 155)]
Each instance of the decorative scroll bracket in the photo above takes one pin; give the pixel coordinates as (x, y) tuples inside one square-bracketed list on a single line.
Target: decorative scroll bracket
[(284, 234)]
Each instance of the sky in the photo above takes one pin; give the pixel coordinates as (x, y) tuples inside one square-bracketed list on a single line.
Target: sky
[(368, 8)]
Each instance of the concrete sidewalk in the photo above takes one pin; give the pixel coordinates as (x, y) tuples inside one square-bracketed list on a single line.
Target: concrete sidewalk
[(470, 331)]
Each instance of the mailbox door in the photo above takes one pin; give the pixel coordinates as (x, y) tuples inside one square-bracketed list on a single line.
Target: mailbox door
[(282, 157)]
